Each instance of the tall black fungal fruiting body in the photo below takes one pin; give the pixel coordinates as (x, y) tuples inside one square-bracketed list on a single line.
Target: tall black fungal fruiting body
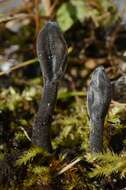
[(98, 100), (52, 54)]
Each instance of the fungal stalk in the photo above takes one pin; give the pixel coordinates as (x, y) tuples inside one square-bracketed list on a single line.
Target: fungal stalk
[(98, 100), (52, 54)]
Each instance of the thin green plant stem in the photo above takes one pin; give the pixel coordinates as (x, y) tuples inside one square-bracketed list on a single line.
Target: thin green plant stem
[(19, 66)]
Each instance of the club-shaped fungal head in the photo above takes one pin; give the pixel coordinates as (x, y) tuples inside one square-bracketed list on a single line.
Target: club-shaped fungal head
[(99, 95), (119, 89), (52, 51)]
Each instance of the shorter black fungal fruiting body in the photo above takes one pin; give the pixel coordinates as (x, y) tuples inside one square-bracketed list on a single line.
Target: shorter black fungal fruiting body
[(119, 89), (52, 54), (98, 100)]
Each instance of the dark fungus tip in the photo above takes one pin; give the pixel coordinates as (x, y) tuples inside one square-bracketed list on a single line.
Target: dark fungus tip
[(119, 89), (99, 78), (52, 51), (99, 94), (97, 72)]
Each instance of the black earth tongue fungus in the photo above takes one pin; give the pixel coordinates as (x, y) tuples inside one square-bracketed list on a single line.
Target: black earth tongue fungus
[(98, 100), (52, 54)]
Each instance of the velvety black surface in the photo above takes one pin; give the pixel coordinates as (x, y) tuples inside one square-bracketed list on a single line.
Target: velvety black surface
[(98, 100), (52, 54)]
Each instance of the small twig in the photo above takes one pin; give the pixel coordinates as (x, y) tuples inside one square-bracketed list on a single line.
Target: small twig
[(36, 17), (20, 16), (52, 8), (25, 133), (16, 16), (49, 9), (24, 64), (69, 166), (47, 6)]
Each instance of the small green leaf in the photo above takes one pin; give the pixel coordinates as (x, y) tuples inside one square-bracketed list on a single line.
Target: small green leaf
[(64, 16), (83, 10)]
